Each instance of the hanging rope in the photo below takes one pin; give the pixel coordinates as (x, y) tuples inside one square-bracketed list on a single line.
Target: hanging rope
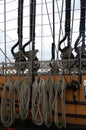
[(72, 19), (18, 56), (25, 91), (66, 51), (81, 31), (60, 24), (47, 102), (32, 25), (32, 58), (37, 102), (52, 30), (59, 13), (59, 89), (17, 85), (7, 109), (48, 17)]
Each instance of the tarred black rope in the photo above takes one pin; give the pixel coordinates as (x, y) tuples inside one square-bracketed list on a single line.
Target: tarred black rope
[(67, 16), (32, 24), (20, 24), (19, 57), (67, 25), (53, 51), (82, 25)]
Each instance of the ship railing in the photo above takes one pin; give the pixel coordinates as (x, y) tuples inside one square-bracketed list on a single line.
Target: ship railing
[(66, 67)]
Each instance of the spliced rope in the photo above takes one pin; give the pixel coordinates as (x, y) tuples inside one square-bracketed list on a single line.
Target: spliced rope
[(37, 103), (59, 88), (7, 112), (47, 101)]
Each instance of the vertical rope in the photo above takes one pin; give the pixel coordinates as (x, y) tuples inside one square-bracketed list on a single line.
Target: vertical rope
[(60, 28), (41, 28), (72, 19), (5, 27), (48, 18)]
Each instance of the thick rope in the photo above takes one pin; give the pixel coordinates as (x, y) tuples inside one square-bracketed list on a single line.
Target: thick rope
[(81, 29)]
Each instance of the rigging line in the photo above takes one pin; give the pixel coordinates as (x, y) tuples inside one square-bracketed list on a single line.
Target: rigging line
[(33, 24), (60, 24), (7, 2), (5, 55), (48, 17), (7, 36), (5, 29), (53, 44), (52, 31), (41, 28), (59, 14), (72, 20), (53, 21), (49, 2), (11, 1)]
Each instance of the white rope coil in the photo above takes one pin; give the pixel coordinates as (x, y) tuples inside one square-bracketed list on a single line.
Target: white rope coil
[(47, 102), (25, 91), (37, 102), (59, 89), (44, 101), (17, 85), (7, 112)]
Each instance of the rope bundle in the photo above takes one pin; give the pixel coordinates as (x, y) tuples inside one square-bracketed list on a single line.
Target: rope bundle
[(37, 102), (47, 102), (59, 89), (44, 101), (25, 98), (7, 112)]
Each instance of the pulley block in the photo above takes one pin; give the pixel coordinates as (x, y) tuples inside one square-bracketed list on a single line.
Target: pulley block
[(20, 61)]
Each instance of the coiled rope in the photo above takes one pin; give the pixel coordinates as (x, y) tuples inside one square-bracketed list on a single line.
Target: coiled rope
[(47, 101), (7, 112), (25, 91), (37, 102), (17, 85), (59, 89)]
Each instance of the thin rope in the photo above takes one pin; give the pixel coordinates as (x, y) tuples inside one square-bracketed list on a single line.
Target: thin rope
[(59, 14), (60, 24), (72, 20), (41, 28), (48, 18)]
